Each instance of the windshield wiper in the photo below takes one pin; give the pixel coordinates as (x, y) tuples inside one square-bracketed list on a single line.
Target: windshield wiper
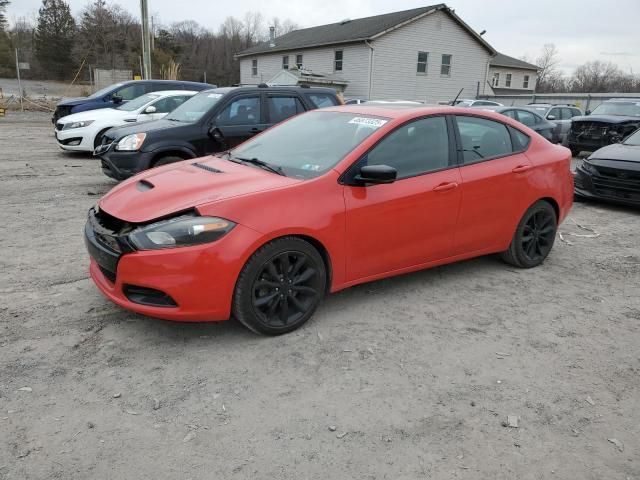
[(259, 163)]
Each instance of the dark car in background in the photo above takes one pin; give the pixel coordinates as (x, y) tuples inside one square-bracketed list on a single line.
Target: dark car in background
[(610, 122), (531, 119), (210, 122), (118, 93), (611, 173), (561, 115)]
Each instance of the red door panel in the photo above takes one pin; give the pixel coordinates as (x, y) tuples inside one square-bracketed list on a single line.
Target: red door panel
[(495, 193), (406, 223)]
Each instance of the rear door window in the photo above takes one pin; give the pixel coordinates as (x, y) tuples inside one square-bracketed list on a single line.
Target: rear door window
[(321, 100), (283, 107), (483, 139)]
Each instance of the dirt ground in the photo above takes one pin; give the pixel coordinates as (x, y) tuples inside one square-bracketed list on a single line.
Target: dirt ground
[(406, 378)]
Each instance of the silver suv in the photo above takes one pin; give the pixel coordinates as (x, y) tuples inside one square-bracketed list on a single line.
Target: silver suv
[(559, 114)]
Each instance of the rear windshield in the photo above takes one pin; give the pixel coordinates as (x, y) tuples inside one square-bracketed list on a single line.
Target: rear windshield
[(312, 143), (623, 109), (195, 108)]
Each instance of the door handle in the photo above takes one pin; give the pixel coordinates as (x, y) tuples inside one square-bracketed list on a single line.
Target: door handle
[(521, 169), (445, 187), (256, 129)]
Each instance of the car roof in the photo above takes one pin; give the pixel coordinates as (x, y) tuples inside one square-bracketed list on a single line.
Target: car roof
[(168, 93), (270, 88), (622, 100)]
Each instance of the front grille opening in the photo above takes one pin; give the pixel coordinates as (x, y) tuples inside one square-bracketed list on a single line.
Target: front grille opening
[(148, 296), (111, 276)]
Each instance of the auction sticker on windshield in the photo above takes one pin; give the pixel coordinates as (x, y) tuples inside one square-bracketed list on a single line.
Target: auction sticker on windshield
[(369, 122)]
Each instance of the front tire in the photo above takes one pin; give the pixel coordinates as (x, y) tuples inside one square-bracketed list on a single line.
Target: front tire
[(534, 237), (280, 287)]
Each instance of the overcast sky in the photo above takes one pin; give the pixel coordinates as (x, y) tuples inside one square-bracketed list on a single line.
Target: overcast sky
[(582, 30)]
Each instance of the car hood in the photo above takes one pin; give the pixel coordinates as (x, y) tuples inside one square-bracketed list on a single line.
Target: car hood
[(182, 186), (100, 114), (72, 102), (617, 151), (146, 127), (606, 119)]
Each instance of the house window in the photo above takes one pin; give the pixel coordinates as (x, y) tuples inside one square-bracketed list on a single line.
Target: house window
[(337, 60), (299, 60), (496, 80), (285, 62), (507, 81), (445, 69), (525, 83), (254, 67), (423, 58)]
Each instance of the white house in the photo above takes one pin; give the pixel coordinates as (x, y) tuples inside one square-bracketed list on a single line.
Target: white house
[(510, 76), (427, 54)]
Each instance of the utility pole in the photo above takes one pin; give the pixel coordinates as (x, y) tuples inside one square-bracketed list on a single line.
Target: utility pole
[(19, 83), (146, 43)]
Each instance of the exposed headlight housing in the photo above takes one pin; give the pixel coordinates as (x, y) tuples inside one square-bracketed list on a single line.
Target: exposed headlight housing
[(182, 231), (84, 123), (131, 143), (587, 167)]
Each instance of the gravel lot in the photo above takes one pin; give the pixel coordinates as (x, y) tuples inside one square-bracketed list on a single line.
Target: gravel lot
[(417, 373)]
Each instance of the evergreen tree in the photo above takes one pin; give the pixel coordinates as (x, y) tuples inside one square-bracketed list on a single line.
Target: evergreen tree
[(54, 39), (6, 64)]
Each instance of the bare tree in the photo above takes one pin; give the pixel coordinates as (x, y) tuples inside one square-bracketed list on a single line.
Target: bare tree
[(548, 63)]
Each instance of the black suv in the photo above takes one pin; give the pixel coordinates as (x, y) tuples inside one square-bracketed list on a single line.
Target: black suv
[(610, 122), (209, 122)]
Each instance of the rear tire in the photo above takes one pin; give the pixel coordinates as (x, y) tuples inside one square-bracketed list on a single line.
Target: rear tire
[(534, 237), (166, 160), (280, 287)]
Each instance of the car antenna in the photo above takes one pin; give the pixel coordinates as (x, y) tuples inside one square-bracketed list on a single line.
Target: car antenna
[(455, 99)]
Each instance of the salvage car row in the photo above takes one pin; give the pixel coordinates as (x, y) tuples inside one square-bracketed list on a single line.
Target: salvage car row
[(254, 204)]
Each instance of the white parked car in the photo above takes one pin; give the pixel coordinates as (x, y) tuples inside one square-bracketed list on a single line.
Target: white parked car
[(465, 102), (83, 131)]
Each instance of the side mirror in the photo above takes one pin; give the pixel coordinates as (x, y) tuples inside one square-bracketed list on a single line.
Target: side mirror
[(551, 117), (377, 174), (588, 112), (150, 109), (215, 133), (116, 99)]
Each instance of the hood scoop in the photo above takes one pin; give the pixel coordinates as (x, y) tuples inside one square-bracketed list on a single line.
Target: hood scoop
[(144, 185), (206, 167)]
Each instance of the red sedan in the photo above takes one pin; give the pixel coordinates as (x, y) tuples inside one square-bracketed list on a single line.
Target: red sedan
[(327, 200)]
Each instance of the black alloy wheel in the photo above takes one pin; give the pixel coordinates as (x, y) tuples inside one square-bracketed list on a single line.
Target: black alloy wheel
[(280, 287), (534, 236)]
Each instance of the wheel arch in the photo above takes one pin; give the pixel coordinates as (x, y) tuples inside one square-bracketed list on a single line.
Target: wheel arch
[(315, 243), (181, 152), (553, 202)]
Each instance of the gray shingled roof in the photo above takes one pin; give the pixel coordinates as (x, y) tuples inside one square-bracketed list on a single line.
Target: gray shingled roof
[(345, 32), (501, 60)]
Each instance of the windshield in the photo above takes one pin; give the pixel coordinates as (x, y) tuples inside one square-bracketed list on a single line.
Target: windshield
[(105, 90), (464, 103), (193, 109), (623, 109), (633, 139), (137, 103), (311, 144)]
